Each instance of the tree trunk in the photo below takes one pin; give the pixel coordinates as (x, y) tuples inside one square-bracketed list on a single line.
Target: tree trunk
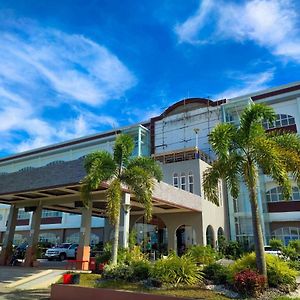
[(257, 231), (116, 241)]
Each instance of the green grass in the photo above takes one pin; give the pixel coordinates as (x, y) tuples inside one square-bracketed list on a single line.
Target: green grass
[(286, 298), (89, 280)]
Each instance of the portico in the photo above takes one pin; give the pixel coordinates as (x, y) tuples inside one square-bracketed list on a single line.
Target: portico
[(57, 187)]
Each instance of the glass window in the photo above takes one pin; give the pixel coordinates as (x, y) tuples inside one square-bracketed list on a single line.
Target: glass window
[(281, 121), (275, 194), (286, 234), (182, 181), (23, 215), (191, 182), (175, 180), (51, 213)]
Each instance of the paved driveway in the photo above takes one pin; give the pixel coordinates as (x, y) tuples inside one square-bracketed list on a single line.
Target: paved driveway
[(12, 274)]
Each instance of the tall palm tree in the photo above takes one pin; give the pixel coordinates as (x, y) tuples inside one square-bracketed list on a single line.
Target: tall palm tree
[(119, 169), (244, 150)]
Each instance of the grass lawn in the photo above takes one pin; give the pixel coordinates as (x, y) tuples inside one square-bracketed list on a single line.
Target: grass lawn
[(90, 280), (286, 298)]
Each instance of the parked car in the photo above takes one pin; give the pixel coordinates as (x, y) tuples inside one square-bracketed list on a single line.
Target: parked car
[(61, 252), (272, 251)]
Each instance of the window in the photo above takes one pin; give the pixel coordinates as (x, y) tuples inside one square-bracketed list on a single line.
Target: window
[(175, 180), (182, 181), (191, 182), (51, 213), (286, 234), (22, 215), (275, 194), (281, 121), (49, 237)]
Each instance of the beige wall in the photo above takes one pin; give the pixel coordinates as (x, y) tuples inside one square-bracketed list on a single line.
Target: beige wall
[(213, 215)]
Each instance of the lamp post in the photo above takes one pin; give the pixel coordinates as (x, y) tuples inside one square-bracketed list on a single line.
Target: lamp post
[(196, 130)]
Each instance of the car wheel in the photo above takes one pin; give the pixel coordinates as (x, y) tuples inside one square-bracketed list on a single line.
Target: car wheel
[(62, 256)]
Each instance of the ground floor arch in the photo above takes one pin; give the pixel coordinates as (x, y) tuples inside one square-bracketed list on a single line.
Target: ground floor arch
[(152, 235), (210, 236), (185, 238)]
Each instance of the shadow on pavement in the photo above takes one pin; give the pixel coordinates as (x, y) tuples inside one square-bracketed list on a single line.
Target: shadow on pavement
[(26, 294)]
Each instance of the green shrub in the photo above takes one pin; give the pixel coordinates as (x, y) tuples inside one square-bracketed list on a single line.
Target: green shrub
[(222, 244), (118, 272), (106, 254), (290, 253), (203, 255), (175, 271), (216, 272), (294, 264), (279, 272), (136, 271), (233, 250), (140, 270), (125, 256), (276, 244), (249, 283), (295, 244)]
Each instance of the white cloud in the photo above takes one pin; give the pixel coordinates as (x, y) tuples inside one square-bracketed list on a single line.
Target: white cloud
[(190, 28), (45, 67), (272, 24), (246, 83)]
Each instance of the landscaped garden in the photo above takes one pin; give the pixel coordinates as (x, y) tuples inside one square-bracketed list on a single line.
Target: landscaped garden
[(201, 273)]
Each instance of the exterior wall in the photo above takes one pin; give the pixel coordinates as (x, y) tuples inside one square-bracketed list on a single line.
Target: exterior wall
[(66, 152), (185, 167), (276, 214), (73, 150), (213, 215)]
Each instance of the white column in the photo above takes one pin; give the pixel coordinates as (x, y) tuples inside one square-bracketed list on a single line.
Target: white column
[(125, 220)]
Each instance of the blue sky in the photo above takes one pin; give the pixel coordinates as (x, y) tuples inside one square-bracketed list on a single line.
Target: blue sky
[(70, 68)]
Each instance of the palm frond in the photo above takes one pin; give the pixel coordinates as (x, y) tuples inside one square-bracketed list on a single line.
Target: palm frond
[(123, 148), (252, 117), (99, 167), (286, 140), (269, 158), (148, 164), (221, 138), (114, 198), (141, 184), (227, 169)]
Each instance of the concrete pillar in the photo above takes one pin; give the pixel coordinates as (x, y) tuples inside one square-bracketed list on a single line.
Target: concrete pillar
[(83, 251), (30, 256), (172, 240), (125, 220), (9, 235)]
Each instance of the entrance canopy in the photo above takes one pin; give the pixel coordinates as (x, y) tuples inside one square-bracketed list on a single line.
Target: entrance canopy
[(56, 186)]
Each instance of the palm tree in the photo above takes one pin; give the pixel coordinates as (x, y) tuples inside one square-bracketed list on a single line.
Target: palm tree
[(243, 151), (119, 169)]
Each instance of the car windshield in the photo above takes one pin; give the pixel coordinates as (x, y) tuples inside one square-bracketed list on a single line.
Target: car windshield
[(63, 246)]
